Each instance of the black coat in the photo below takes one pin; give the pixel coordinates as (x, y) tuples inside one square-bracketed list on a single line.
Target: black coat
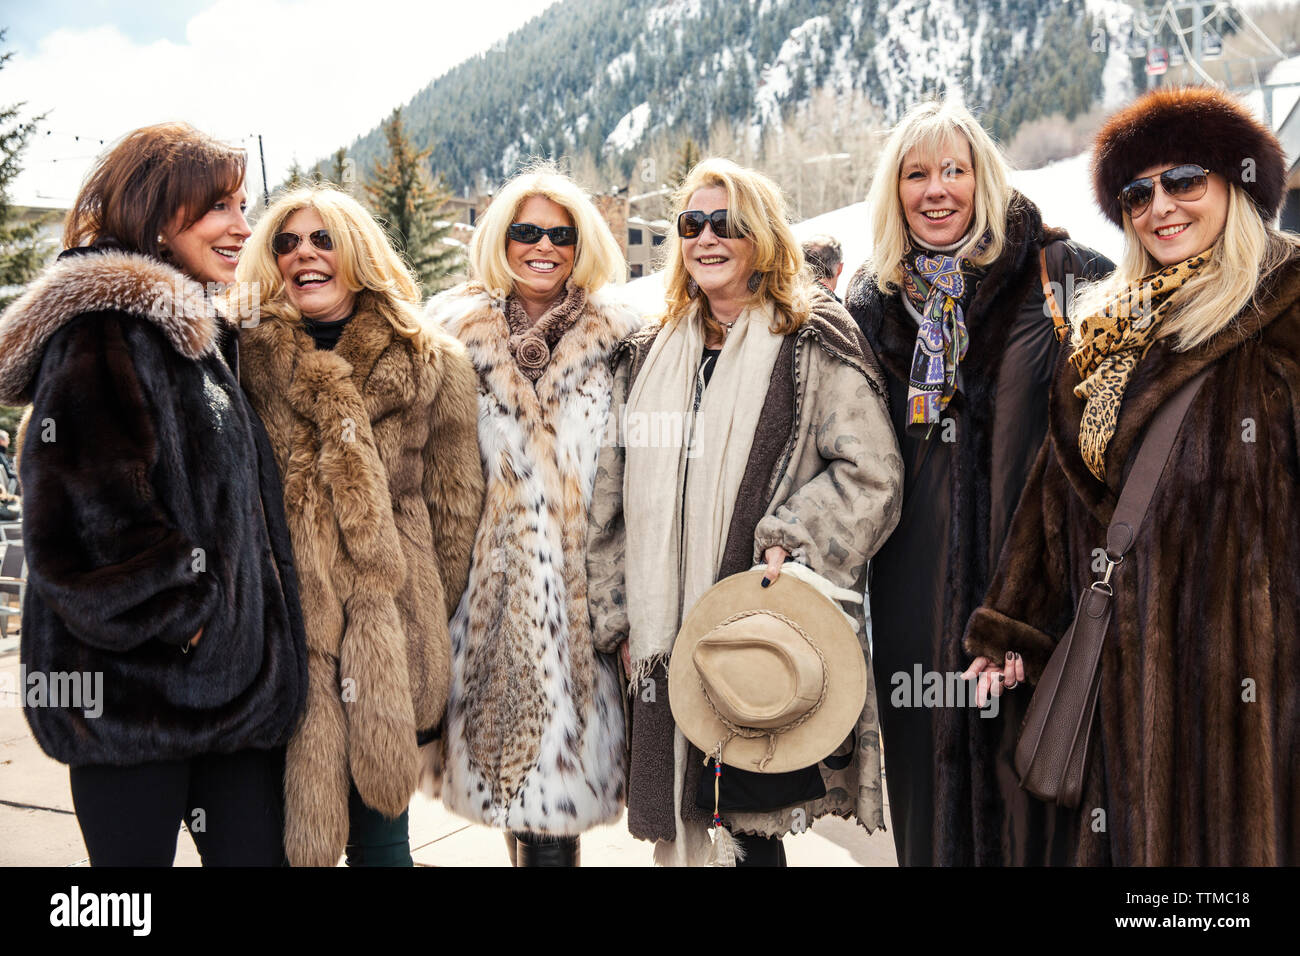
[(152, 509), (953, 796)]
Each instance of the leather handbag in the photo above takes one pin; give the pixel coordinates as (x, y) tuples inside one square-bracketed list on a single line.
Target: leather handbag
[(1052, 753)]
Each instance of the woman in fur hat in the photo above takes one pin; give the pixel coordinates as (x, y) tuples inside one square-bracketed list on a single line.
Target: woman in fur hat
[(534, 742), (953, 302), (162, 588), (1196, 758), (758, 388), (371, 415)]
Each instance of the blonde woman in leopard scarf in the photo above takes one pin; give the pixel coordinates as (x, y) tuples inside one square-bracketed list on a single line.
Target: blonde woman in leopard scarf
[(1196, 761)]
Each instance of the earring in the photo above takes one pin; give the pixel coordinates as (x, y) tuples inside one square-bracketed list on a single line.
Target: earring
[(692, 289), (754, 281)]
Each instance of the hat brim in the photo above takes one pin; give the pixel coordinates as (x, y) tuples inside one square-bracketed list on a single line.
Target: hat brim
[(822, 620)]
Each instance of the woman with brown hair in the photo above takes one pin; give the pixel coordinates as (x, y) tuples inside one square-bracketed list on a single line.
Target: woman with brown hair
[(162, 586)]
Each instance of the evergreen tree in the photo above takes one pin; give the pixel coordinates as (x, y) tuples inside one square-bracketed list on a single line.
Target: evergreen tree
[(22, 251), (410, 201), (296, 176), (339, 168), (687, 157)]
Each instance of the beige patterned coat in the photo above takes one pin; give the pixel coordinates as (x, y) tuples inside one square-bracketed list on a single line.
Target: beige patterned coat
[(830, 493)]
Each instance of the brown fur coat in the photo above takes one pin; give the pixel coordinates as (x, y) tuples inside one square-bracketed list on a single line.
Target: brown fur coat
[(375, 443), (1196, 757)]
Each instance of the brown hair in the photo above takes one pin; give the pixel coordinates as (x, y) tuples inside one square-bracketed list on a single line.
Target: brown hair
[(152, 174)]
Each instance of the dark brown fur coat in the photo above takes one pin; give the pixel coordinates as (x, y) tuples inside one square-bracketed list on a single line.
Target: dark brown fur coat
[(1195, 760)]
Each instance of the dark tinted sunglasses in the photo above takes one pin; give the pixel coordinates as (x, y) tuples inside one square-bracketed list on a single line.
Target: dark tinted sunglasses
[(527, 233), (285, 242), (691, 223), (1186, 182)]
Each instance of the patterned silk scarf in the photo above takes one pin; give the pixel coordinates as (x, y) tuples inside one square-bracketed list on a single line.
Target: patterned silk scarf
[(940, 287), (1113, 343)]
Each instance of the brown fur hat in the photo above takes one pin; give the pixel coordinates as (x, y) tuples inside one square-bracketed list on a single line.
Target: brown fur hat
[(1188, 124)]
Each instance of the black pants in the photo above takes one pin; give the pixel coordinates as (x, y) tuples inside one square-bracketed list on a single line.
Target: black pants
[(233, 805), (759, 851)]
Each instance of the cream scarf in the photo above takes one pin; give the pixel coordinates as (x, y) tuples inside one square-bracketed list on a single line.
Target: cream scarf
[(682, 474)]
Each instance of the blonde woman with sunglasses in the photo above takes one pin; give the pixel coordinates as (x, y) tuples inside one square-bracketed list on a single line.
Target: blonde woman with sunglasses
[(371, 415), (535, 721), (1196, 760)]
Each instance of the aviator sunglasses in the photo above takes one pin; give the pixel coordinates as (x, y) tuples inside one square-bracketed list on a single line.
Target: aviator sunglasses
[(529, 234), (285, 242), (691, 224), (1186, 182)]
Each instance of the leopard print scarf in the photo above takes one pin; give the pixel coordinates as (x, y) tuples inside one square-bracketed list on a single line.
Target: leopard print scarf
[(1113, 343)]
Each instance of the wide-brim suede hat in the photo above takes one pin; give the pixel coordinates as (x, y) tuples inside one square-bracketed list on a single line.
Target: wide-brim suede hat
[(782, 664), (1188, 124)]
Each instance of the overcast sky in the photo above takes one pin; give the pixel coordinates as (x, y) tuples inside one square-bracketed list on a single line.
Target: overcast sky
[(309, 75)]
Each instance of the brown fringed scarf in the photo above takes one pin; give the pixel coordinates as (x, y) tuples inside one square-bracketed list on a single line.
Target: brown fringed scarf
[(1113, 343), (531, 342)]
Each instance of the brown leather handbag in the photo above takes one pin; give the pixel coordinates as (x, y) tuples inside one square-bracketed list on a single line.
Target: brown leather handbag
[(1052, 753)]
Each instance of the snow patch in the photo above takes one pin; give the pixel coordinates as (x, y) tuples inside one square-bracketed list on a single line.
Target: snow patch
[(630, 129)]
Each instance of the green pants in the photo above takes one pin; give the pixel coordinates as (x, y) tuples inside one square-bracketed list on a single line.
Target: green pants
[(375, 840)]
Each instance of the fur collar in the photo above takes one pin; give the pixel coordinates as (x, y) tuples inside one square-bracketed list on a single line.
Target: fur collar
[(110, 281), (385, 369), (470, 314)]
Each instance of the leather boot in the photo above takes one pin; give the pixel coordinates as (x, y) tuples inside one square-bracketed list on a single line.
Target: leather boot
[(512, 848), (536, 849)]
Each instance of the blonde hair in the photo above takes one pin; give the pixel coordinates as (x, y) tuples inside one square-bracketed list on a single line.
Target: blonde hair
[(597, 260), (929, 128), (757, 209), (367, 263), (1246, 252)]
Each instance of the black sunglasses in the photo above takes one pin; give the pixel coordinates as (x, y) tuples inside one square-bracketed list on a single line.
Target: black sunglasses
[(691, 223), (285, 242), (1186, 182), (529, 234)]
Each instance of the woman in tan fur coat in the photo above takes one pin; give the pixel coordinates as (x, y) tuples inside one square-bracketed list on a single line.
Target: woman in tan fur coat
[(371, 416), (535, 721)]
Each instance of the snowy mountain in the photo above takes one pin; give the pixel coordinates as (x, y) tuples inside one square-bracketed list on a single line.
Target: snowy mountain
[(603, 77)]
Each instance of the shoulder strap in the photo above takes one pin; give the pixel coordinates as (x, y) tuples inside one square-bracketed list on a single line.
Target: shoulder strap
[(1147, 468), (1061, 327)]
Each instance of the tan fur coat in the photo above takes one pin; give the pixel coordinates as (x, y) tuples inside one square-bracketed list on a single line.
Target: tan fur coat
[(375, 443), (535, 720)]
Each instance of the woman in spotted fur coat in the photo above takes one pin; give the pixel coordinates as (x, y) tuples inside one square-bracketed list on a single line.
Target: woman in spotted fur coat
[(534, 739)]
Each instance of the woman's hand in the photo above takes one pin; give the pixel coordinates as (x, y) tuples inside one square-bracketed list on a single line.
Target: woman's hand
[(993, 677), (775, 556), (195, 639)]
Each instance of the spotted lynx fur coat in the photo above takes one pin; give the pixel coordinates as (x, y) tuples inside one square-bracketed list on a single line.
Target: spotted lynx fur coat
[(534, 736)]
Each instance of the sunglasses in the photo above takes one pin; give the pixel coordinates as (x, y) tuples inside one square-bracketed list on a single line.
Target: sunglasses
[(529, 234), (691, 223), (1186, 182), (285, 242)]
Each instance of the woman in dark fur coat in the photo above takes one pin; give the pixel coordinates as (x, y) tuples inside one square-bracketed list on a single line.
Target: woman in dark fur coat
[(162, 617), (956, 251), (1196, 757)]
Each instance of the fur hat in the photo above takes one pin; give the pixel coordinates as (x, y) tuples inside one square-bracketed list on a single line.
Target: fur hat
[(1188, 124)]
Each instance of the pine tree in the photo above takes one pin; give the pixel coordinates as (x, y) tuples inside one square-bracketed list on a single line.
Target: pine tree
[(339, 168), (410, 201), (22, 251), (687, 158), (296, 176)]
